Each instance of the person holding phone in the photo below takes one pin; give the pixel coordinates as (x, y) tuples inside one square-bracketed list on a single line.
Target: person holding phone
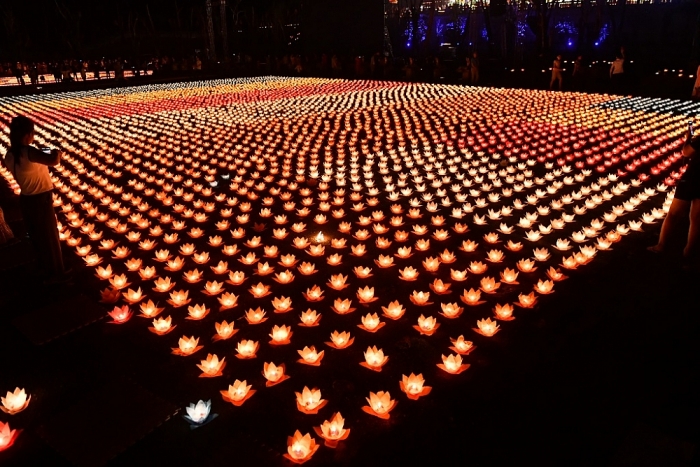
[(686, 202), (30, 168)]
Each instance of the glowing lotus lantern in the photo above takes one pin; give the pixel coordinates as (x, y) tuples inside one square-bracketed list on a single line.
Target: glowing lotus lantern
[(362, 273), (280, 335), (8, 436), (133, 296), (394, 310), (380, 404), (236, 278), (150, 310), (544, 287), (212, 366), (120, 315), (162, 326), (440, 287), (119, 282), (187, 346), (461, 346), (426, 326), (332, 431), (414, 386), (227, 301), (193, 276), (451, 310), (459, 276), (489, 285), (408, 274), (471, 297), (487, 327), (246, 349), (259, 290), (199, 414), (309, 401), (238, 393), (15, 402), (224, 330), (555, 274), (300, 447), (310, 318), (274, 374), (504, 312), (527, 301), (420, 298), (371, 323), (340, 340), (179, 298), (309, 356), (453, 364), (374, 359)]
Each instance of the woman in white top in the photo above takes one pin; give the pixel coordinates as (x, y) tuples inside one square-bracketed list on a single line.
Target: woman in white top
[(30, 168)]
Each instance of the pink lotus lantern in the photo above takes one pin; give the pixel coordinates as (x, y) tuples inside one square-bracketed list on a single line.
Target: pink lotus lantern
[(120, 315), (309, 356), (453, 364), (380, 404), (300, 448), (7, 436), (238, 393), (374, 359), (15, 402), (274, 374), (414, 386), (309, 401), (332, 431)]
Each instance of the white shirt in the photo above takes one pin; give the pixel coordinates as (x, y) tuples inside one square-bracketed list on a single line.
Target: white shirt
[(32, 177)]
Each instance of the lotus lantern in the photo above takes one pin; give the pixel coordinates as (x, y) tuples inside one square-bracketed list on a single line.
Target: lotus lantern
[(15, 402), (309, 401), (380, 404), (309, 356), (453, 364), (300, 448), (238, 393), (414, 386), (332, 430), (274, 374)]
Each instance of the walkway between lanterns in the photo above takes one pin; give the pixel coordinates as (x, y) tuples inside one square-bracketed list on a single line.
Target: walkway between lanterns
[(606, 373)]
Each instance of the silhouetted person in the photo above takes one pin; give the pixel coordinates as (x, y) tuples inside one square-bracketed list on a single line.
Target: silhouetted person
[(474, 69), (30, 168), (617, 74), (557, 73)]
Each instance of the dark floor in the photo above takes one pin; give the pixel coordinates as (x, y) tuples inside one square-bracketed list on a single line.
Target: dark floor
[(603, 372)]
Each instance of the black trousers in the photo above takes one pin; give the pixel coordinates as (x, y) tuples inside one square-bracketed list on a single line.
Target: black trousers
[(41, 224)]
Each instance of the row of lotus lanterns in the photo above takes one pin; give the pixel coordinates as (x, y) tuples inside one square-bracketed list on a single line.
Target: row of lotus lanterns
[(171, 195)]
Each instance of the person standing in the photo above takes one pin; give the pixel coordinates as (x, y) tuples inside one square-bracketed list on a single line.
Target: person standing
[(474, 69), (617, 74), (577, 74), (686, 203), (30, 168), (557, 75)]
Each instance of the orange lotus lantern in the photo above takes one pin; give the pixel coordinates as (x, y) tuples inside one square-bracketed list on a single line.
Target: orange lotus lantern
[(489, 285), (426, 326), (342, 307), (260, 290), (310, 318), (471, 297), (104, 273), (544, 287), (384, 261), (394, 310), (179, 298), (309, 356), (555, 274), (15, 402), (414, 386), (309, 401), (187, 346), (431, 264), (509, 276), (224, 330), (162, 326), (459, 276), (150, 310), (380, 404), (453, 364), (487, 327), (366, 295), (133, 296), (212, 366), (371, 323), (274, 374), (246, 349), (119, 282), (527, 301), (504, 312), (440, 288), (340, 340), (284, 277), (374, 359), (362, 272), (236, 277), (313, 294), (461, 346), (256, 316), (280, 335), (451, 310), (238, 393), (300, 448), (332, 431), (120, 315), (228, 301), (337, 282), (420, 298), (7, 436)]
